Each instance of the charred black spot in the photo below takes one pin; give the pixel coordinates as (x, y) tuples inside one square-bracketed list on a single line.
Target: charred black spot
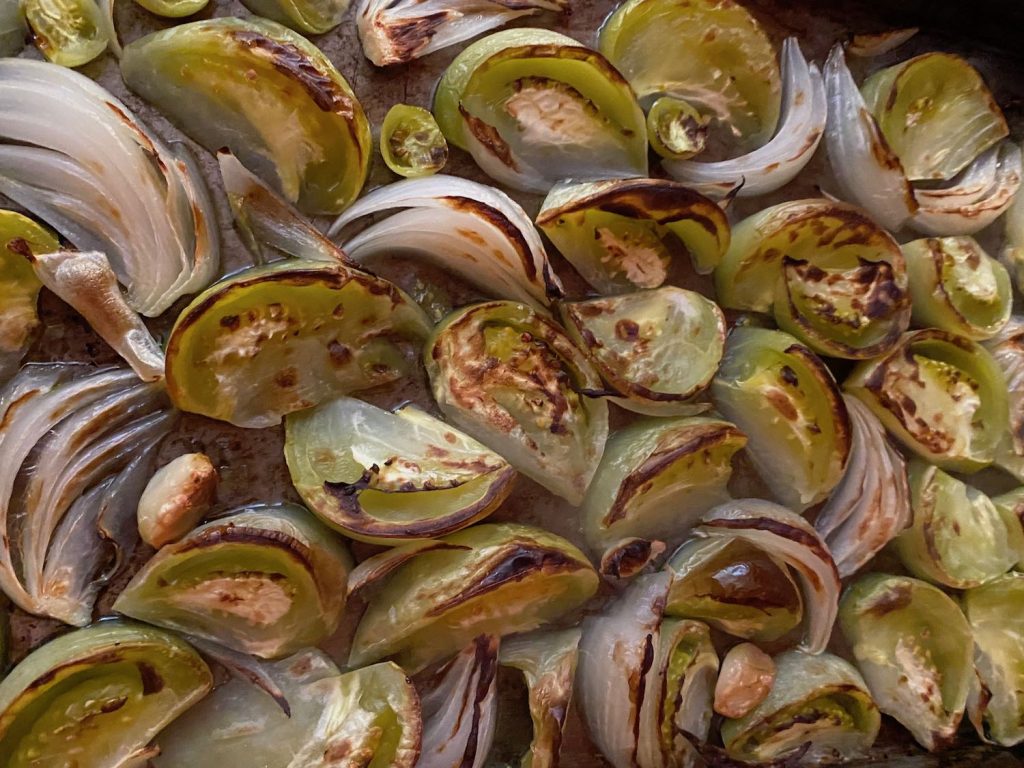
[(896, 598), (340, 354), (325, 92), (627, 330), (789, 376), (231, 322), (152, 682)]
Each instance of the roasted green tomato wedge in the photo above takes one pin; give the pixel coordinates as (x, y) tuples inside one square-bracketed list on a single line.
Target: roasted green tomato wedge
[(96, 697), (19, 287), (391, 476), (265, 580), (913, 646), (959, 538), (657, 349), (68, 32), (820, 701), (411, 142), (312, 17), (958, 287), (658, 477), (1007, 349), (711, 53), (623, 235), (513, 380), (372, 713), (995, 612), (736, 587), (272, 340), (1011, 507), (831, 276), (548, 663), (267, 94), (534, 107), (936, 114), (675, 129), (941, 394), (786, 402), (172, 9), (488, 579)]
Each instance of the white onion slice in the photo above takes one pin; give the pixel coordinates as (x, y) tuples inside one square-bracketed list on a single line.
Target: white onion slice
[(108, 185), (788, 537), (871, 504), (473, 230), (627, 677), (986, 189), (399, 31), (460, 707), (65, 429), (868, 172), (800, 128), (85, 280)]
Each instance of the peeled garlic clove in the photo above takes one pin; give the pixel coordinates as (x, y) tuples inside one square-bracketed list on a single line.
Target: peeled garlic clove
[(744, 681), (176, 498)]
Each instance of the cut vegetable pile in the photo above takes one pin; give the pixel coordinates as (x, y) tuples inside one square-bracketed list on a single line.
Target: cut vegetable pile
[(563, 443)]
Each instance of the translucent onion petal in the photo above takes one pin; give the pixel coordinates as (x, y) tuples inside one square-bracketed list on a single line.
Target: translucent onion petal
[(1007, 349), (960, 210), (774, 164), (868, 171), (871, 504), (460, 707), (69, 525), (788, 537), (473, 230), (646, 683), (110, 186)]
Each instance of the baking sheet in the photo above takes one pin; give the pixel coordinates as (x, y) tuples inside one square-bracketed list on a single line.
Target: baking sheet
[(251, 462)]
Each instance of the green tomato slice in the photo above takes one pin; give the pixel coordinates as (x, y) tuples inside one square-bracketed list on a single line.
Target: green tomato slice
[(411, 142), (266, 93), (97, 696), (388, 477), (277, 339)]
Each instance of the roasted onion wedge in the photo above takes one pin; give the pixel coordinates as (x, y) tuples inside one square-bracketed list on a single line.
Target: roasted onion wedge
[(770, 537), (97, 696), (645, 682), (391, 476), (272, 340), (511, 378), (265, 580), (871, 504), (488, 579), (548, 661), (743, 589)]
